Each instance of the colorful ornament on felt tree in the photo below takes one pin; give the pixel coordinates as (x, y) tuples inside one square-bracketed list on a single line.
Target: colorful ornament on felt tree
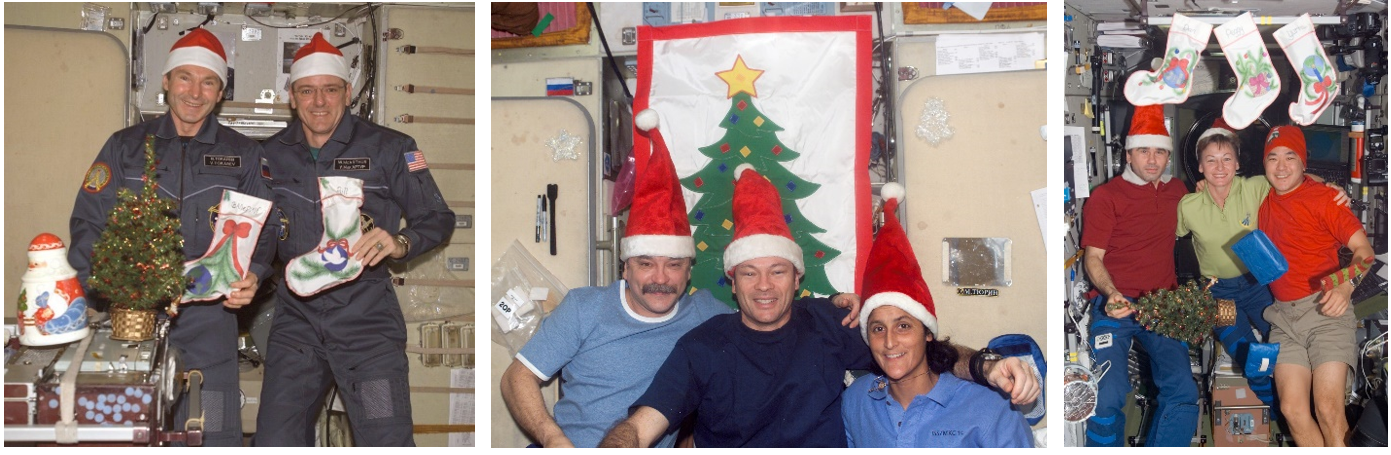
[(58, 313)]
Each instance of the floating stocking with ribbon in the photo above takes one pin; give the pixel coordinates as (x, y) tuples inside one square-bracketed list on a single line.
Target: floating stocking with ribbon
[(239, 223), (1318, 81), (331, 263)]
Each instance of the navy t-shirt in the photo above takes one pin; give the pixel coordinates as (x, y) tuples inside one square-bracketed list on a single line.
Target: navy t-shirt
[(762, 389)]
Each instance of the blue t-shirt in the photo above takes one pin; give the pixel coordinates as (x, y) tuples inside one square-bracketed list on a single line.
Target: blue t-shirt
[(761, 389), (955, 413), (606, 355)]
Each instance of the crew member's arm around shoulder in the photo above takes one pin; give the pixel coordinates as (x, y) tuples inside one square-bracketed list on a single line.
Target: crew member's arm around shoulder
[(1101, 280), (521, 390), (1009, 375), (640, 430)]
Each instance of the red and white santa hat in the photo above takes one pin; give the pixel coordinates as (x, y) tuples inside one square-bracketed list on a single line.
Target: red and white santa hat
[(1219, 126), (1147, 129), (657, 224), (198, 48), (760, 229), (319, 58), (892, 275)]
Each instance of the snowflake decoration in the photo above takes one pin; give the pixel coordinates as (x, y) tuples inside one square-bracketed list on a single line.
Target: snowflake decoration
[(563, 146), (933, 127)]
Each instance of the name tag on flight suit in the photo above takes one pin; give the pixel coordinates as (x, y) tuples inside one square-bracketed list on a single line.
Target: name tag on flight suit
[(352, 164), (221, 161)]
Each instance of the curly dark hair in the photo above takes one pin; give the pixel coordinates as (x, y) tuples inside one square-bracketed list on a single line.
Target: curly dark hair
[(941, 355)]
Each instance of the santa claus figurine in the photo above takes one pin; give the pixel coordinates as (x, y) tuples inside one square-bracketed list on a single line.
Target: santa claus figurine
[(52, 305)]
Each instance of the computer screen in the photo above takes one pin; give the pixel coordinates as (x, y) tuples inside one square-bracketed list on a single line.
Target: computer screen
[(1326, 145)]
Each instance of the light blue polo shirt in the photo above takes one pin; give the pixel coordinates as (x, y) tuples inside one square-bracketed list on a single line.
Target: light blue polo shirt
[(607, 355), (955, 413)]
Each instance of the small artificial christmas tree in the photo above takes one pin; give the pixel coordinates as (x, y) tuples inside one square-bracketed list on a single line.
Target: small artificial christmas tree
[(138, 262), (1188, 313)]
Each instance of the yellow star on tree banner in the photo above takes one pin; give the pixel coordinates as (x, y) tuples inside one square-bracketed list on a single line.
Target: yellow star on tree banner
[(740, 78)]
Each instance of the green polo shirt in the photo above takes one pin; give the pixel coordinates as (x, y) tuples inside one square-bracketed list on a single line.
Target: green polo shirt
[(1215, 228)]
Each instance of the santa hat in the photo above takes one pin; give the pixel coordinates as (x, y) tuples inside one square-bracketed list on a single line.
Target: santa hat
[(657, 224), (48, 258), (1287, 136), (1219, 126), (892, 275), (760, 230), (318, 58), (198, 48), (1147, 129)]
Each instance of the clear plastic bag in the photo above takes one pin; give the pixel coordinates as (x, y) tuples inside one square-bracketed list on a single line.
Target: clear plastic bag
[(522, 293), (430, 302), (977, 261)]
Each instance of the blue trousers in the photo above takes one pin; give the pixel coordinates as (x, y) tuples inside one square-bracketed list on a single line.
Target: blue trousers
[(1251, 299), (1176, 419)]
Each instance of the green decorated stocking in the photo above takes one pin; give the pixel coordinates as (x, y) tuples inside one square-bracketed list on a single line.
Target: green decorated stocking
[(1259, 85), (331, 263), (239, 223), (1318, 81), (1172, 82)]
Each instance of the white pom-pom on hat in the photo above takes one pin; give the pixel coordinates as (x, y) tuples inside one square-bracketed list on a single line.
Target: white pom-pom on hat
[(739, 170), (647, 119), (892, 190)]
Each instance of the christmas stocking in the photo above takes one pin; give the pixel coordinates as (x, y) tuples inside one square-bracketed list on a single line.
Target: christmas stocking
[(1170, 83), (1259, 85), (1318, 81), (239, 222), (331, 263)]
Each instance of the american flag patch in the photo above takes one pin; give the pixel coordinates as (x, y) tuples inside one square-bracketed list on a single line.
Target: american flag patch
[(415, 161)]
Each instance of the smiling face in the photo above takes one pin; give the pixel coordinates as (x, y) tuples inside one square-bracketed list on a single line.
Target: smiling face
[(1284, 169), (193, 92), (655, 283), (765, 288), (1148, 162), (1218, 164), (319, 102), (898, 342)]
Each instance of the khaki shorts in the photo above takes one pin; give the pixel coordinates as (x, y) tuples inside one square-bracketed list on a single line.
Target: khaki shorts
[(1309, 338)]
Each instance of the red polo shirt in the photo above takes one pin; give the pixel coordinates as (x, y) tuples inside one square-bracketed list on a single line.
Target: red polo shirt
[(1135, 225), (1308, 228)]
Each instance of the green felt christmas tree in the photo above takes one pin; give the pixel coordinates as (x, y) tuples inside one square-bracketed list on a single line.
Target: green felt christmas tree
[(138, 261), (1188, 313), (750, 137)]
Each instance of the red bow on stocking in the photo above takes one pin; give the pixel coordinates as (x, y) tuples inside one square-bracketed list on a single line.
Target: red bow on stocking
[(240, 230)]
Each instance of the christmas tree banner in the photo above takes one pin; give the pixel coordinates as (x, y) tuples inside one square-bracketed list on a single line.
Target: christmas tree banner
[(789, 96)]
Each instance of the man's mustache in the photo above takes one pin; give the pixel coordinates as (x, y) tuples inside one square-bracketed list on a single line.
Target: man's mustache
[(655, 288)]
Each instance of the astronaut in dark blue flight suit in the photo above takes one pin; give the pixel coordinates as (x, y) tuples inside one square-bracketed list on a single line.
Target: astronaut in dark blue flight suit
[(352, 334), (197, 159)]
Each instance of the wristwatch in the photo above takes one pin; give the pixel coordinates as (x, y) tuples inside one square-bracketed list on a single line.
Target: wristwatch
[(404, 243), (978, 365)]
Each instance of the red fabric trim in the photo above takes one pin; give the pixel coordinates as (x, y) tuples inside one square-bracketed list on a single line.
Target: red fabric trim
[(864, 84)]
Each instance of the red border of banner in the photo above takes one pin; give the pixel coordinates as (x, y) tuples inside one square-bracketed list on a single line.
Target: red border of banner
[(858, 24)]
